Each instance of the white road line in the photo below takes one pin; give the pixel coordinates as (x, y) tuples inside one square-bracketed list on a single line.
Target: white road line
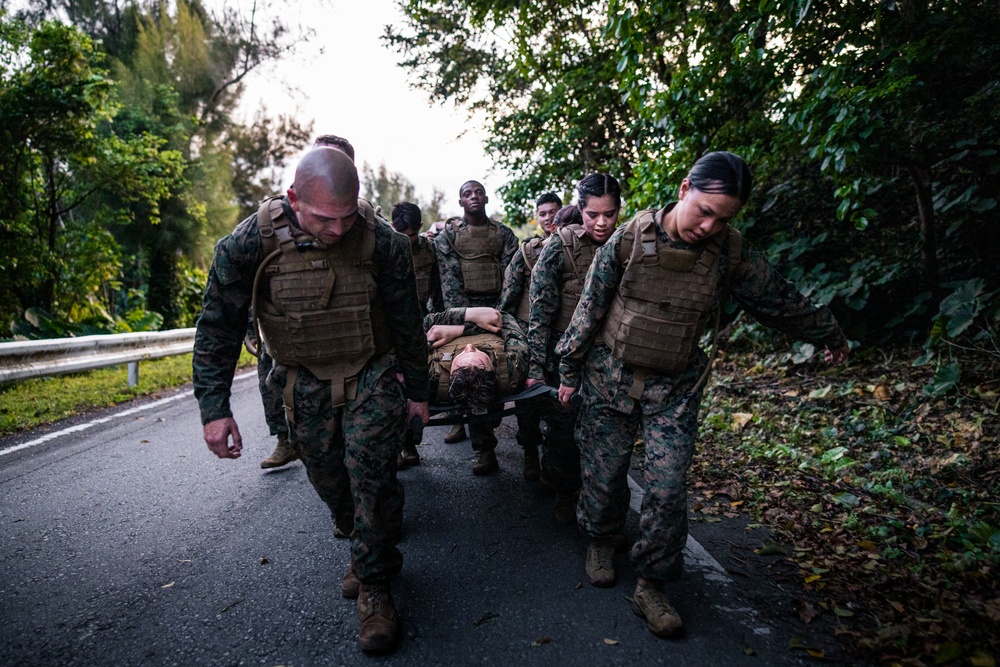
[(694, 551), (123, 413)]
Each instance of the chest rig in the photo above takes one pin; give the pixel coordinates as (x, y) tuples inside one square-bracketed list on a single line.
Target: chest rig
[(656, 316), (530, 250), (479, 249), (423, 262), (491, 344), (317, 306), (579, 250)]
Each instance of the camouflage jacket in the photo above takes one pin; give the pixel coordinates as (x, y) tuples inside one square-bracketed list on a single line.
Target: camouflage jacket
[(449, 266), (434, 302), (228, 294), (754, 285), (514, 342), (515, 281), (546, 298)]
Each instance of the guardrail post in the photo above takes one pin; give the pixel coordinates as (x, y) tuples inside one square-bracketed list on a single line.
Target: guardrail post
[(133, 373)]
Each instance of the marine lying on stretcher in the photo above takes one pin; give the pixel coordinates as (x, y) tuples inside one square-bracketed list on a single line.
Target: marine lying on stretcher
[(478, 360)]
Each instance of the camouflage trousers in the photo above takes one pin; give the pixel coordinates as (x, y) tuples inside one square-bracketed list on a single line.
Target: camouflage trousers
[(560, 454), (482, 434), (270, 395), (350, 457), (606, 437)]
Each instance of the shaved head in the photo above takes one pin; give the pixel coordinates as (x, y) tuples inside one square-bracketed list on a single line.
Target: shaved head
[(326, 172)]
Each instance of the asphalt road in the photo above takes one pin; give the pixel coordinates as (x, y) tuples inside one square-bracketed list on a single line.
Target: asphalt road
[(124, 542)]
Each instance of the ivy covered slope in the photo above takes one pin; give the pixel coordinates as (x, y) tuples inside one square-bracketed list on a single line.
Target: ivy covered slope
[(887, 500)]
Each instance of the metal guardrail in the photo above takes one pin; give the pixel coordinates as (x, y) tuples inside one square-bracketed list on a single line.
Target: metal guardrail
[(39, 358)]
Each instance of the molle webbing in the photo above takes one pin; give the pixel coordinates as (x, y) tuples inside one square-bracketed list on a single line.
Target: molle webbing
[(479, 249), (423, 262), (491, 344), (320, 308), (530, 250), (578, 254), (654, 320)]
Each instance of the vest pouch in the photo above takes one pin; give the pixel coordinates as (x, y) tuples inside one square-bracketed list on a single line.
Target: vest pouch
[(567, 306), (482, 276), (306, 338), (651, 336), (301, 291)]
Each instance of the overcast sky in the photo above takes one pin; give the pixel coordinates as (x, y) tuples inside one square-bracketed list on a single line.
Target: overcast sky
[(355, 89)]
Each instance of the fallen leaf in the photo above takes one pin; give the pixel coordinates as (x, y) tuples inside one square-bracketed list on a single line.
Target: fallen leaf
[(611, 642), (264, 560), (981, 659), (881, 392), (168, 585), (815, 652), (143, 441), (807, 612), (843, 613), (741, 419), (867, 545), (184, 560), (579, 586), (541, 641), (770, 549)]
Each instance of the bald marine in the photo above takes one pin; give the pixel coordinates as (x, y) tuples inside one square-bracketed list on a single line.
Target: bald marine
[(324, 195)]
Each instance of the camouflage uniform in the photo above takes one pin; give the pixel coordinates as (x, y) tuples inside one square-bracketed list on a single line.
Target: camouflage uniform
[(452, 286), (516, 281), (430, 300), (516, 347), (274, 412), (454, 296), (561, 456), (349, 451), (666, 414)]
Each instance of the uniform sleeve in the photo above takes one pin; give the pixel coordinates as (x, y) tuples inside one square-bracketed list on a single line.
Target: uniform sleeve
[(449, 316), (452, 292), (223, 321), (436, 301), (510, 246), (545, 296), (775, 302), (513, 284), (515, 344), (603, 279), (397, 288)]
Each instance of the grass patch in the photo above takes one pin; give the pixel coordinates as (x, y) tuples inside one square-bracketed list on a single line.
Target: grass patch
[(37, 401)]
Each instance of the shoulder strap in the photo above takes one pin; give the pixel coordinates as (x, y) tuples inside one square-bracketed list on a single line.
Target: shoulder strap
[(273, 224), (569, 240), (643, 223)]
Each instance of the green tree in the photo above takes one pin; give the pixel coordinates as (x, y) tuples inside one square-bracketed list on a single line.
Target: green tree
[(56, 109), (387, 188)]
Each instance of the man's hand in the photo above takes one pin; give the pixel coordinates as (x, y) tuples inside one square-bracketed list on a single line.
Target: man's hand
[(489, 319), (442, 334), (531, 382), (414, 409), (565, 393), (838, 355), (217, 438)]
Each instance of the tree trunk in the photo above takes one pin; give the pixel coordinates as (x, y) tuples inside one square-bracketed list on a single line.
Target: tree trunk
[(925, 212)]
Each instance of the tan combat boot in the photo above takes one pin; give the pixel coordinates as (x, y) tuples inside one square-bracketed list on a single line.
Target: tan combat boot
[(350, 584), (456, 434), (600, 565), (532, 466), (651, 603), (486, 463), (408, 457), (379, 624), (283, 454), (565, 509)]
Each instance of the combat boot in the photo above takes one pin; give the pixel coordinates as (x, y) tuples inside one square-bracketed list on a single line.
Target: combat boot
[(408, 457), (456, 434), (379, 629), (350, 584), (651, 603), (532, 466), (486, 463), (600, 566), (283, 454), (565, 509)]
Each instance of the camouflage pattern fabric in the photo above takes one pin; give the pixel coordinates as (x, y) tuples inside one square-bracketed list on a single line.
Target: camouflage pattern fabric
[(349, 452), (434, 302), (515, 345), (270, 395), (449, 266), (560, 454), (529, 432), (665, 415)]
